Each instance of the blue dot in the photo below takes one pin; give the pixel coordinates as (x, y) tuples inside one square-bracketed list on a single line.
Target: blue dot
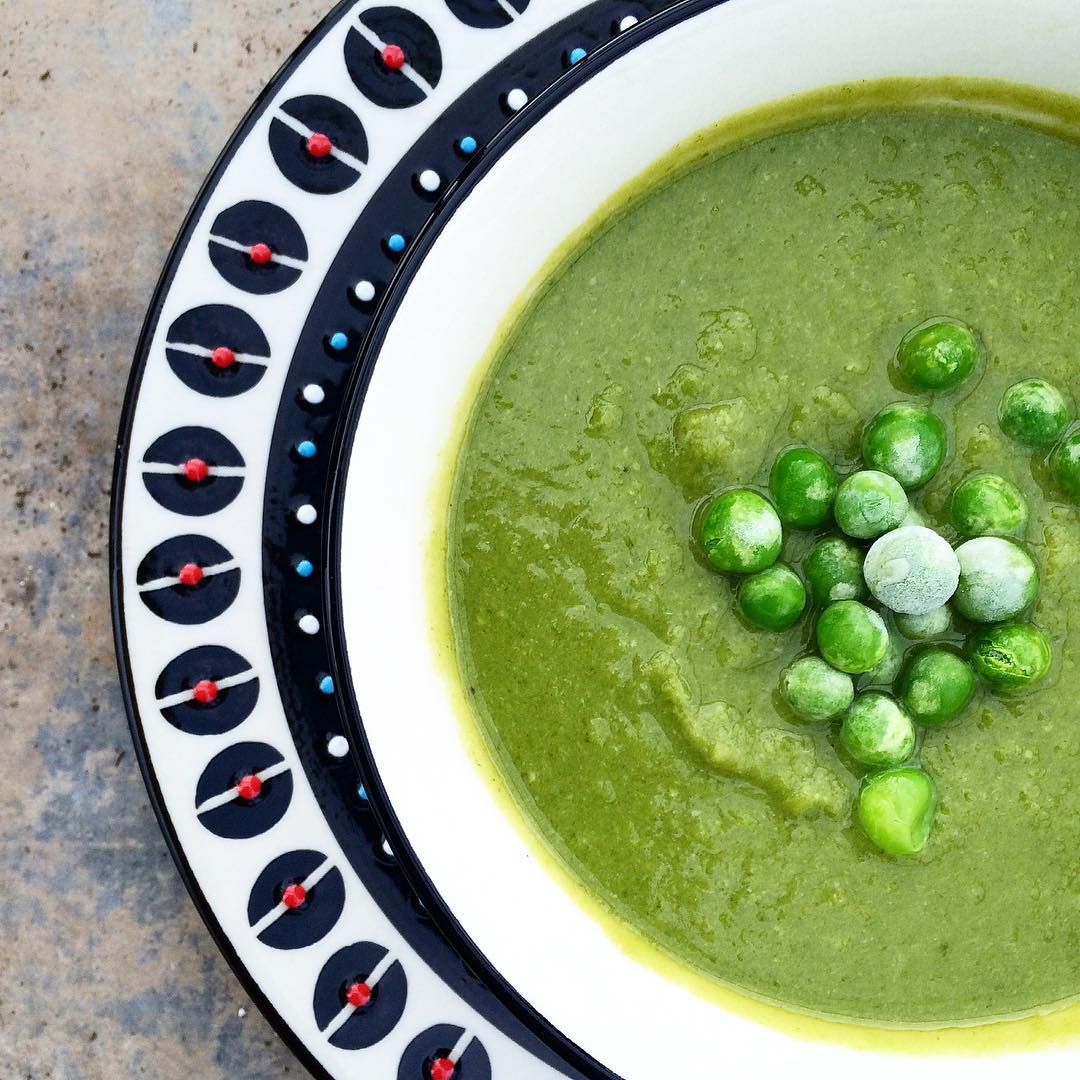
[(577, 55), (306, 448), (326, 685), (467, 145), (362, 792), (396, 242), (305, 568), (339, 342)]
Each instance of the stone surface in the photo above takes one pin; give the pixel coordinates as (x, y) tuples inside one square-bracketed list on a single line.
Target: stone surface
[(111, 113)]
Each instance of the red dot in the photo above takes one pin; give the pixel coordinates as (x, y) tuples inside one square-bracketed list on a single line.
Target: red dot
[(393, 56), (190, 574), (205, 691), (223, 357), (294, 896), (319, 146), (442, 1069), (359, 994), (195, 469), (260, 254), (248, 787)]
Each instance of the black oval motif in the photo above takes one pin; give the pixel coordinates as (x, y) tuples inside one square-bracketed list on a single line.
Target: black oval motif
[(242, 351), (197, 471), (373, 1022), (438, 1042), (169, 594), (242, 816), (393, 88), (487, 14), (231, 698), (325, 169), (296, 927), (257, 247)]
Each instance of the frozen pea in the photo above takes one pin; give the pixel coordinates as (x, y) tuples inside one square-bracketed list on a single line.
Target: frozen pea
[(998, 579), (803, 485), (884, 672), (906, 441), (870, 503), (877, 731), (912, 570), (816, 691), (988, 505), (938, 354), (773, 598), (896, 809), (932, 624), (740, 532), (833, 570), (851, 636), (1065, 465), (1033, 412), (936, 684), (1012, 656)]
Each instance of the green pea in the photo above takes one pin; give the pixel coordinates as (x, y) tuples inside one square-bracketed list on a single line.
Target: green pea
[(816, 691), (988, 505), (907, 442), (998, 579), (896, 809), (1011, 656), (877, 731), (938, 354), (740, 532), (1065, 465), (833, 570), (803, 485), (884, 672), (851, 637), (869, 503), (1033, 412), (911, 570), (772, 598), (936, 684), (931, 624)]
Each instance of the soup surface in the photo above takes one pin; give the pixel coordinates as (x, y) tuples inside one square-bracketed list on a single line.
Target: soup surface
[(752, 300)]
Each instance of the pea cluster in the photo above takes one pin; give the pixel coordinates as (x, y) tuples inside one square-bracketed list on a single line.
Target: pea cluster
[(878, 574)]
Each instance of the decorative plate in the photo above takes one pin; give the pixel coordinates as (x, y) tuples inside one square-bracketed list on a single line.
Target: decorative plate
[(313, 337)]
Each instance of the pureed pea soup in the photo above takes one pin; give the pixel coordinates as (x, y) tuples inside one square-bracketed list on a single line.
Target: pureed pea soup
[(749, 300)]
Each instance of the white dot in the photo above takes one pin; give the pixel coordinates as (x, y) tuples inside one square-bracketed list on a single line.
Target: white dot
[(430, 180), (517, 99), (309, 624), (338, 746), (630, 20), (307, 514), (314, 394), (387, 848), (364, 291)]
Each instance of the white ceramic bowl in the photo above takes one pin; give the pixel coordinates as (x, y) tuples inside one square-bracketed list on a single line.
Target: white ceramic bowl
[(638, 1022)]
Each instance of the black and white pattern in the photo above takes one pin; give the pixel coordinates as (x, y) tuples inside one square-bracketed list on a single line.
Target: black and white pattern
[(242, 371)]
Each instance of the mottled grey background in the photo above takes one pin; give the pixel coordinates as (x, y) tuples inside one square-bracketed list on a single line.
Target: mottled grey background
[(111, 113)]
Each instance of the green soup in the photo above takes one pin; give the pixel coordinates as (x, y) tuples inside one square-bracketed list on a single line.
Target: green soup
[(751, 299)]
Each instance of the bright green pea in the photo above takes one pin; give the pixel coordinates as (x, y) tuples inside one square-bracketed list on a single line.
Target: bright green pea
[(911, 570), (816, 691), (772, 598), (907, 442), (833, 570), (1033, 412), (896, 809), (988, 505), (740, 532), (803, 485), (1012, 656), (877, 731), (998, 579), (1065, 465), (869, 503), (851, 636), (923, 627), (936, 684), (938, 354)]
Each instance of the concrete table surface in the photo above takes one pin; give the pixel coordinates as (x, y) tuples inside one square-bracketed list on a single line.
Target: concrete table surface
[(111, 114)]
